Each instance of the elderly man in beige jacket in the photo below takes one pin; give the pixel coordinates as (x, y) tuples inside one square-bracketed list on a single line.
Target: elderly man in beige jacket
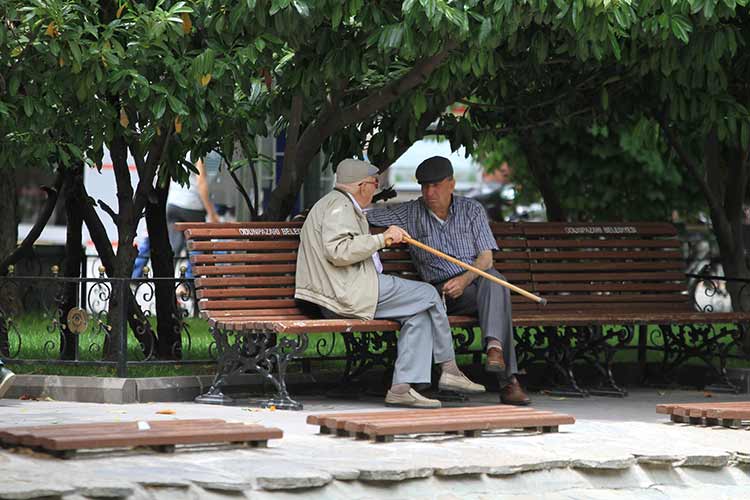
[(338, 269)]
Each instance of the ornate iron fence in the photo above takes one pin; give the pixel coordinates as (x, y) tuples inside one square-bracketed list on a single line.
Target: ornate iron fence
[(92, 321)]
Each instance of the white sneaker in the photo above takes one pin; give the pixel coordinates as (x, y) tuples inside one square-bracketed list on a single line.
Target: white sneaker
[(459, 383), (411, 399), (6, 380)]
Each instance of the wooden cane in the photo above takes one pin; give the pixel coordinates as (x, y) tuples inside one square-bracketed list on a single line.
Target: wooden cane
[(469, 267)]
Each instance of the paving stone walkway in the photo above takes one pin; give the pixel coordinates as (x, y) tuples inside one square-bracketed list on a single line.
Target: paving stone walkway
[(618, 448)]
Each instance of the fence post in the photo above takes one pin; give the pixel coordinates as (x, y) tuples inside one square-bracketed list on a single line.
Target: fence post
[(122, 328)]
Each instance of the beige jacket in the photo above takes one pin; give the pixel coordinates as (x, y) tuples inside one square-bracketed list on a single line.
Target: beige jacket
[(334, 262)]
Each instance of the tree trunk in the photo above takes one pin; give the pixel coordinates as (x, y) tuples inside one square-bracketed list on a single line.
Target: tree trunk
[(724, 193), (540, 171), (9, 209), (135, 317), (73, 261), (8, 239), (169, 319)]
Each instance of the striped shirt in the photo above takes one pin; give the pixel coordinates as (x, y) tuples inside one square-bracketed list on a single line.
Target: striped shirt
[(464, 234)]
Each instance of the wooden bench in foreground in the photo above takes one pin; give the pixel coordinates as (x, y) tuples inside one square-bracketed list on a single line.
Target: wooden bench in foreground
[(382, 426), (629, 275), (730, 414), (159, 435)]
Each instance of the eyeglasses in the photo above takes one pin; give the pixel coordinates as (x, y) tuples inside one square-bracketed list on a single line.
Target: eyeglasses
[(375, 181)]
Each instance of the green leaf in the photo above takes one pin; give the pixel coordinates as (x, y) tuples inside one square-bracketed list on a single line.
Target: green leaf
[(375, 146), (277, 5), (28, 106), (391, 36), (419, 105), (302, 7), (615, 45), (745, 134), (681, 27), (159, 107), (576, 15), (605, 98), (15, 82), (176, 105), (75, 50), (336, 16), (485, 30), (407, 5), (708, 8), (621, 17), (696, 6)]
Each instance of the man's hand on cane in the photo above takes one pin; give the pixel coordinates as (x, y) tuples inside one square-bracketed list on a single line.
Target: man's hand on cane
[(394, 234)]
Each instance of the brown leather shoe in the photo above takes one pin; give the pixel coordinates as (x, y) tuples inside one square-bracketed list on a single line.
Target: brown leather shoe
[(513, 394), (495, 362)]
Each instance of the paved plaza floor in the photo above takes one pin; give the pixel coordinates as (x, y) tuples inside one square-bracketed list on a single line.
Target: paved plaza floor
[(618, 448)]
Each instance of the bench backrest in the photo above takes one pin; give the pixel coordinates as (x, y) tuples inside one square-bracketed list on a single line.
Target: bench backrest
[(607, 266), (247, 269)]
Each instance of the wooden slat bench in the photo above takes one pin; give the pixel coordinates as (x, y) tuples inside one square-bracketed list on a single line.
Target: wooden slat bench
[(625, 274), (159, 435), (592, 275), (730, 414), (470, 421), (245, 289)]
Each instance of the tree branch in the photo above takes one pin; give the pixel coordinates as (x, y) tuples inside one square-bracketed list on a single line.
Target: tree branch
[(691, 166), (27, 244), (292, 135), (240, 187), (320, 129), (115, 218)]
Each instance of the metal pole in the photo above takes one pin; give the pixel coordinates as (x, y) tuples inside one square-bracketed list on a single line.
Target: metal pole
[(122, 328)]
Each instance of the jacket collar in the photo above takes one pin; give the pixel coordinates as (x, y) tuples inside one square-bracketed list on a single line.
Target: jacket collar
[(348, 196)]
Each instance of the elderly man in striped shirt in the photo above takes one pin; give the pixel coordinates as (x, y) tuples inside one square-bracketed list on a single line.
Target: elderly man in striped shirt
[(459, 227)]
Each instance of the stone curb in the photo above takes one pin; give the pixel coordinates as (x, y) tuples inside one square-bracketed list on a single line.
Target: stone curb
[(142, 390)]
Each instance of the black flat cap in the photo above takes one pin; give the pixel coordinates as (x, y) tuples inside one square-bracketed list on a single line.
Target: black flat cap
[(434, 169)]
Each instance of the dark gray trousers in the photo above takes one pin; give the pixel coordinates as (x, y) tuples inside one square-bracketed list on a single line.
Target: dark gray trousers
[(491, 303)]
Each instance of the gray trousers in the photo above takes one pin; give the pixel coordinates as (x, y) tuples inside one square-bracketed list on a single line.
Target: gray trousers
[(491, 302), (425, 333)]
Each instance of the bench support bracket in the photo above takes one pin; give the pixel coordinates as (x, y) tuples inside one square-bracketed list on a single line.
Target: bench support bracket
[(255, 351)]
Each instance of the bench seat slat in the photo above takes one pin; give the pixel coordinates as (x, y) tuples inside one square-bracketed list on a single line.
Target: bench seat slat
[(606, 266), (264, 230), (243, 257), (285, 293), (255, 270), (249, 246), (609, 243), (585, 255), (621, 277), (228, 313), (619, 298), (244, 281), (343, 325), (606, 229), (609, 287), (503, 243), (208, 305)]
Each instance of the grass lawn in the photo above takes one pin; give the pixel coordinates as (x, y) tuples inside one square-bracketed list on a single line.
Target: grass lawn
[(39, 340)]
